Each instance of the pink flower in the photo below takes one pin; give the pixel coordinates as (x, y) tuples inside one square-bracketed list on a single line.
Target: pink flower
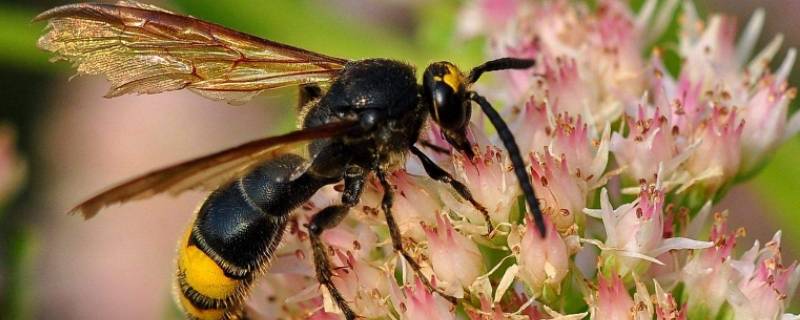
[(766, 284), (487, 311), (456, 260), (716, 160), (613, 301), (765, 117), (542, 262), (651, 144), (416, 302), (531, 125), (565, 89), (708, 273), (586, 158), (721, 72), (666, 308), (416, 201), (561, 195), (590, 61), (634, 232), (488, 176), (361, 284), (322, 315)]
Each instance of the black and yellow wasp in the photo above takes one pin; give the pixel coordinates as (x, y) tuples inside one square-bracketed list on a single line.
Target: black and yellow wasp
[(358, 117)]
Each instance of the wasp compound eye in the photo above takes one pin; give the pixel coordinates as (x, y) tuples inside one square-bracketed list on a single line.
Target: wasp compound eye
[(450, 110)]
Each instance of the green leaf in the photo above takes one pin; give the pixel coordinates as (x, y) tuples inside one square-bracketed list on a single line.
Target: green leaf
[(778, 184)]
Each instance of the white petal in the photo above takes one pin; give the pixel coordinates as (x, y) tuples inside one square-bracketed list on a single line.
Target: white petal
[(761, 61), (645, 13), (637, 255), (777, 237), (555, 315), (605, 205), (679, 243), (662, 20), (690, 18), (505, 282), (786, 66), (749, 37), (600, 161)]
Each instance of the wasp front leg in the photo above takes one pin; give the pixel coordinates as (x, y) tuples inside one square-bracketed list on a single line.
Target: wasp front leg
[(329, 218), (397, 240), (439, 174)]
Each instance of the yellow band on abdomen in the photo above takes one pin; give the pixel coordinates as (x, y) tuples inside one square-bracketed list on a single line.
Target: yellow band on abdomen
[(204, 275), (201, 283), (199, 314)]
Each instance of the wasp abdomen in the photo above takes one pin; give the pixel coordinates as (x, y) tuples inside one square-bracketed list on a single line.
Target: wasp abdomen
[(234, 235)]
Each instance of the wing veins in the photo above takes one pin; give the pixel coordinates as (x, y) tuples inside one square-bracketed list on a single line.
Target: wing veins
[(144, 49)]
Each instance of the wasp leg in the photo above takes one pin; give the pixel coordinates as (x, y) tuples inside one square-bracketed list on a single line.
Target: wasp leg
[(439, 174), (397, 241), (329, 218)]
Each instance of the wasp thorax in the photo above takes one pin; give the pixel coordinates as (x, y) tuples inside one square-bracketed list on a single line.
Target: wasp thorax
[(445, 86)]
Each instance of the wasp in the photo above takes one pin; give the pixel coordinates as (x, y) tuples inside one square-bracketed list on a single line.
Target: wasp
[(357, 118)]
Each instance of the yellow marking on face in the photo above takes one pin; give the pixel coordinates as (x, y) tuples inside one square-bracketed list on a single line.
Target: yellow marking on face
[(203, 274), (453, 78), (207, 314)]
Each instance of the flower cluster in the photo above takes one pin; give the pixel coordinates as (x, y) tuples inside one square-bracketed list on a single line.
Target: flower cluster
[(626, 153)]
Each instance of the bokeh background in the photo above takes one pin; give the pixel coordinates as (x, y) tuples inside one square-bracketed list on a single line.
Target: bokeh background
[(69, 142)]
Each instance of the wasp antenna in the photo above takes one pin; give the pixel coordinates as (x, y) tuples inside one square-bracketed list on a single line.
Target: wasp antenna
[(500, 64), (516, 158)]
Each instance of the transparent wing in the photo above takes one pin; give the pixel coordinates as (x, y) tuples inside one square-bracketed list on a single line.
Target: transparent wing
[(211, 171), (145, 49)]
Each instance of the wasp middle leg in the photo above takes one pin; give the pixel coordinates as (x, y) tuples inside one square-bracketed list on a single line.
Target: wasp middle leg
[(397, 240), (328, 218)]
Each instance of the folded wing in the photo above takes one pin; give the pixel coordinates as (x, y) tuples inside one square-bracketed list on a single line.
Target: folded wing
[(211, 171)]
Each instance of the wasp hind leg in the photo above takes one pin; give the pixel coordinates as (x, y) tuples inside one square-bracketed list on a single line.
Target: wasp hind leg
[(439, 174), (397, 241), (329, 218)]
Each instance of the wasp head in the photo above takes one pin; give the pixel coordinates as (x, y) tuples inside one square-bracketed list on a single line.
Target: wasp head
[(445, 88)]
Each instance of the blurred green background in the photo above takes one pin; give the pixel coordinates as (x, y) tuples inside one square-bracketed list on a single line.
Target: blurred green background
[(59, 125)]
